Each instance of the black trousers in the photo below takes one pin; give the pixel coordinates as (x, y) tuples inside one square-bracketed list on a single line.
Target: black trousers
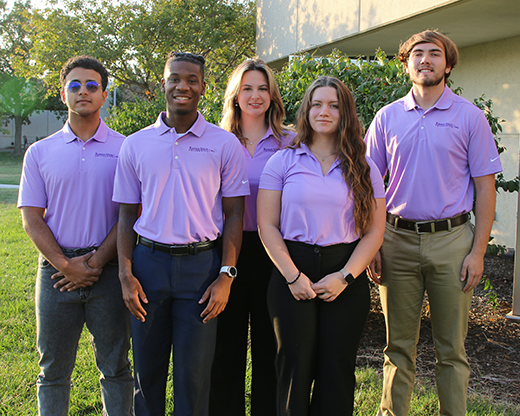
[(247, 305), (317, 341)]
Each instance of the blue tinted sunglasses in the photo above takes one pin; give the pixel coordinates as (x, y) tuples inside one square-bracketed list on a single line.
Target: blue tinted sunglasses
[(75, 86)]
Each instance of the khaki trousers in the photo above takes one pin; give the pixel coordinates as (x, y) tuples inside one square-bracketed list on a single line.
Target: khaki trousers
[(412, 264)]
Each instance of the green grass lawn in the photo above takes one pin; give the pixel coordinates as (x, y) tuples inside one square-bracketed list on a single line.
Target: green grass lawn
[(10, 168), (18, 356)]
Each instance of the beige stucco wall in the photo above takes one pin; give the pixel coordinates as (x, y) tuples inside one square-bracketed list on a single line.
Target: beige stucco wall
[(288, 26), (377, 12), (493, 69)]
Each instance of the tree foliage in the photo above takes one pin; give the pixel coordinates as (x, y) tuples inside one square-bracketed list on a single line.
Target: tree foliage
[(132, 38), (15, 42), (19, 97)]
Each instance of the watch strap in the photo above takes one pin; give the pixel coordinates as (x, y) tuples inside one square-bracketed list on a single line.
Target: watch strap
[(231, 271), (347, 276)]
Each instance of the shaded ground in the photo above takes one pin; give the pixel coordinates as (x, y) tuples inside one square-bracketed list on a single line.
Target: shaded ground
[(492, 345)]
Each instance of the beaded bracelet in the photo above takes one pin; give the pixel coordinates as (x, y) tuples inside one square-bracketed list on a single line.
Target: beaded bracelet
[(297, 277)]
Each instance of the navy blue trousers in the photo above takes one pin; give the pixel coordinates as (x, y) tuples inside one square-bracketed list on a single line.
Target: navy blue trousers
[(173, 286)]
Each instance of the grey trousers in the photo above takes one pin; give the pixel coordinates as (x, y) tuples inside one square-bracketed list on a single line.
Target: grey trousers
[(60, 317)]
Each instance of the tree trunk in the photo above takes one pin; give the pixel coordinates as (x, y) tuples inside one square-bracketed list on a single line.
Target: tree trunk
[(18, 121)]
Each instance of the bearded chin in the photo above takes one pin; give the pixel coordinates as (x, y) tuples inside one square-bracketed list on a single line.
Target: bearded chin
[(433, 82)]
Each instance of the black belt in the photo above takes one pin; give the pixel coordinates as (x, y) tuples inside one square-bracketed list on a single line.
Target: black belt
[(179, 250), (76, 252), (421, 227)]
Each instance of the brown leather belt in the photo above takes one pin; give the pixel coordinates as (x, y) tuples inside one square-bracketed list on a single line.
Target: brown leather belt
[(421, 227), (178, 250)]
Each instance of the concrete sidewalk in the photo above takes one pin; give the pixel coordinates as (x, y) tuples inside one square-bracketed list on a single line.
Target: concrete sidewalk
[(10, 186)]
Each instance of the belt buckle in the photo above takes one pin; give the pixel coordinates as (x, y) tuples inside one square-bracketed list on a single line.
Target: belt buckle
[(419, 223)]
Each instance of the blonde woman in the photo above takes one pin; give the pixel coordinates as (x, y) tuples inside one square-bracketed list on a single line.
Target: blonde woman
[(253, 111)]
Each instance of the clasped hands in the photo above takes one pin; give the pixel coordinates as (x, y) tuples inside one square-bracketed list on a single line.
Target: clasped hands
[(79, 272), (327, 288)]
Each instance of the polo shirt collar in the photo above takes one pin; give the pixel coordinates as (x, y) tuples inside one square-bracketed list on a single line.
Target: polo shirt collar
[(197, 128), (267, 134), (409, 101), (443, 103), (446, 99), (303, 150), (100, 135)]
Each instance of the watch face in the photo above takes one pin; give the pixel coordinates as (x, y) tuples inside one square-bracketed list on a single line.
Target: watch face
[(231, 271), (349, 278)]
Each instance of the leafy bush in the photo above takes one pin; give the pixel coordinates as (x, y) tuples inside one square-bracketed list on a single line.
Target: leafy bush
[(373, 84), (129, 117)]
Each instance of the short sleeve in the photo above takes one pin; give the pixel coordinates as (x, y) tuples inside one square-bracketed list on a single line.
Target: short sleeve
[(234, 172), (483, 158), (376, 148), (273, 173), (127, 186), (32, 186), (377, 179)]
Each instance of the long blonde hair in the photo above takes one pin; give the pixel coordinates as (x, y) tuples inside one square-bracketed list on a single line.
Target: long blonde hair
[(350, 148), (232, 114)]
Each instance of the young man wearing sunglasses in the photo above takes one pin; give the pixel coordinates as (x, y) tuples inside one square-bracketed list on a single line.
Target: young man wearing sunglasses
[(190, 177), (67, 210)]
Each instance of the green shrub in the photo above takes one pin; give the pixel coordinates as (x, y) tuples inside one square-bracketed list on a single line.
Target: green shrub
[(373, 84), (129, 117)]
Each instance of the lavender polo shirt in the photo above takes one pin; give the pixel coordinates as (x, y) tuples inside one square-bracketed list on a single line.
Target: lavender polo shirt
[(180, 180), (431, 156), (265, 148), (316, 209), (73, 181)]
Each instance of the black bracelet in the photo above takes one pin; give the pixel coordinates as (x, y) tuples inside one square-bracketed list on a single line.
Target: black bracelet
[(297, 277)]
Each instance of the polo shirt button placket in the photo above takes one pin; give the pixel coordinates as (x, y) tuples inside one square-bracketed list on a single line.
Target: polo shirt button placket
[(175, 148), (83, 165), (421, 129)]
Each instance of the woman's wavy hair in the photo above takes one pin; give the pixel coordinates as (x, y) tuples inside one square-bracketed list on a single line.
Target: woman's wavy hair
[(231, 113), (350, 148)]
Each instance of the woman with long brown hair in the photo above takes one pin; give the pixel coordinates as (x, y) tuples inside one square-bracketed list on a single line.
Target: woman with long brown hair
[(253, 111), (321, 217)]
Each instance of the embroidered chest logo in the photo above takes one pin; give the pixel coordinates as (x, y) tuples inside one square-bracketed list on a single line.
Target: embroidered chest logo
[(448, 125), (201, 149), (270, 149), (106, 155)]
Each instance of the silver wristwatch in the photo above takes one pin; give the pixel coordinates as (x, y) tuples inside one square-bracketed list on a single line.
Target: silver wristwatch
[(231, 271)]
